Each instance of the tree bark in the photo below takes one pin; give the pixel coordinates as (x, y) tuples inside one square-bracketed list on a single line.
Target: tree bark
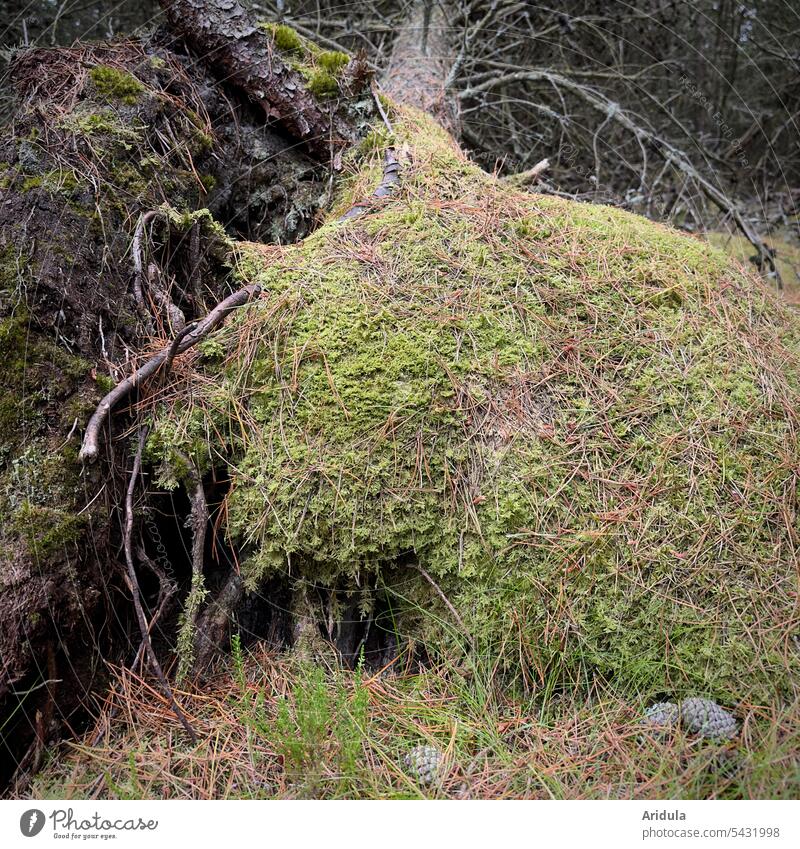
[(225, 36), (421, 59)]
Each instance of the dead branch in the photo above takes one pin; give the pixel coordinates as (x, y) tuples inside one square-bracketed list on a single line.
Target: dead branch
[(138, 263), (166, 590), (175, 316), (671, 154), (524, 178), (445, 599), (195, 333)]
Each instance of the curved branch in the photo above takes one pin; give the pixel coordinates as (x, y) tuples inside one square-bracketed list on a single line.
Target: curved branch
[(192, 335), (667, 151)]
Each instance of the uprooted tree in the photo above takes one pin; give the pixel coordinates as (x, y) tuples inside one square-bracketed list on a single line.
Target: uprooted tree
[(278, 357)]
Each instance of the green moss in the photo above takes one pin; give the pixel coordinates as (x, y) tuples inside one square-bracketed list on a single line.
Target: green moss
[(580, 423), (62, 181), (202, 142), (6, 175), (34, 370), (286, 39), (332, 61), (88, 122), (11, 260), (321, 68), (105, 382), (46, 529), (322, 83), (209, 181), (114, 84), (322, 74), (375, 140)]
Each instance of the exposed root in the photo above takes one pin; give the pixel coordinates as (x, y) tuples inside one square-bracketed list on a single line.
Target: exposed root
[(194, 334), (198, 521), (391, 177), (213, 622), (166, 591), (136, 593)]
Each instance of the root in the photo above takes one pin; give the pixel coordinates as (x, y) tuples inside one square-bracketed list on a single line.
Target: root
[(445, 599), (212, 624), (136, 593), (190, 336), (166, 590), (198, 520), (387, 185)]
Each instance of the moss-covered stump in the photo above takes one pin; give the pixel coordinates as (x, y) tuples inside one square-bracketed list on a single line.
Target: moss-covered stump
[(103, 134), (581, 425)]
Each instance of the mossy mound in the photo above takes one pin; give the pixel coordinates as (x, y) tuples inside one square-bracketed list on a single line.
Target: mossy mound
[(580, 424)]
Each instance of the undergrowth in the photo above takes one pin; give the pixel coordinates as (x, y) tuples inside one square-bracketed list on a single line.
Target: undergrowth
[(275, 728)]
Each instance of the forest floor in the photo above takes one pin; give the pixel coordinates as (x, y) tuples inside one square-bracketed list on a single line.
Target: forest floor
[(787, 259), (271, 727)]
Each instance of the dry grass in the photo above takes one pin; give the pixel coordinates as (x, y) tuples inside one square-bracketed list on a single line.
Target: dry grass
[(272, 727)]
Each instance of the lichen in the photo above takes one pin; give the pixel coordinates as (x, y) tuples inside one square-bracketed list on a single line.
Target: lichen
[(187, 630), (580, 423)]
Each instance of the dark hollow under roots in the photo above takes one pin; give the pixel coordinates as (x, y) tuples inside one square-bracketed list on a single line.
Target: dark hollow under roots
[(268, 613)]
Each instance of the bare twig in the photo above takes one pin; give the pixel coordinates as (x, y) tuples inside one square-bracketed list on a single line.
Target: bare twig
[(674, 156), (138, 262), (90, 449), (444, 598)]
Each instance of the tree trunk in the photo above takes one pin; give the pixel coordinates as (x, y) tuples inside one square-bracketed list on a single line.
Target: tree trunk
[(244, 55), (421, 59)]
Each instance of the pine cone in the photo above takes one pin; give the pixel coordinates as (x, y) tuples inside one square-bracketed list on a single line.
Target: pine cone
[(662, 715), (424, 763), (708, 719)]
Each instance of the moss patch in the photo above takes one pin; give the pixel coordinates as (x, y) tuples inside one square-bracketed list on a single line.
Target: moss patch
[(320, 68), (114, 84), (285, 38)]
